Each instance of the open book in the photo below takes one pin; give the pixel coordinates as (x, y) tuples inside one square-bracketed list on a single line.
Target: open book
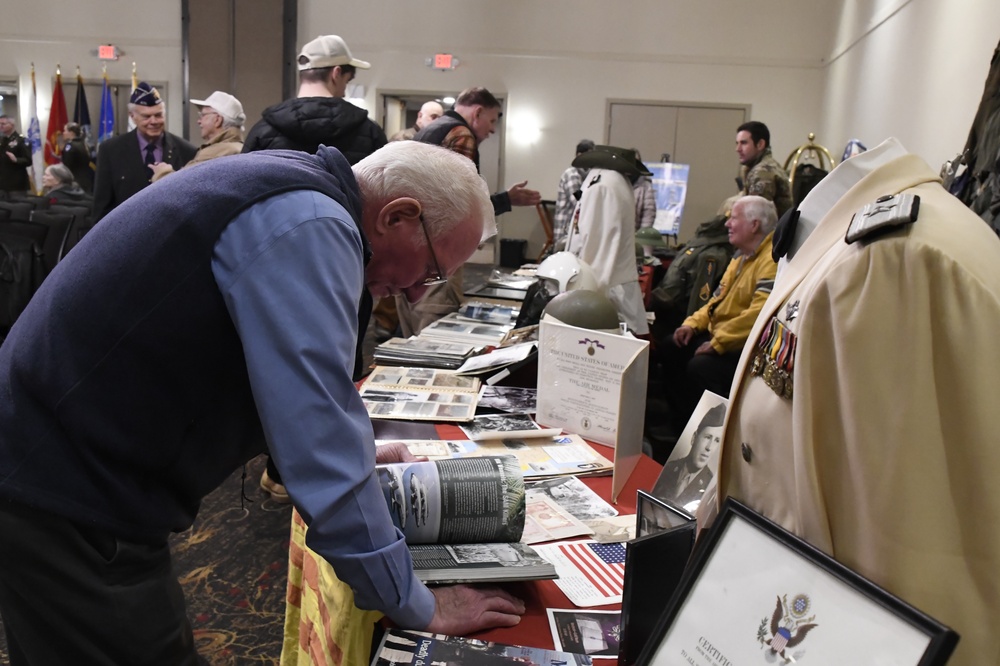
[(462, 518), (419, 394)]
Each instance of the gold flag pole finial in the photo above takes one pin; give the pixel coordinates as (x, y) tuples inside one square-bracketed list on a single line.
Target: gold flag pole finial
[(58, 73)]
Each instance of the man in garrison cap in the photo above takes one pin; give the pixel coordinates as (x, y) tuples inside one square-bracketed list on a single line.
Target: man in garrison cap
[(125, 163)]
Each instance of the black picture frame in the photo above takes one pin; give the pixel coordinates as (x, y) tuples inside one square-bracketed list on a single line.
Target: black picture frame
[(726, 594), (653, 515), (654, 565)]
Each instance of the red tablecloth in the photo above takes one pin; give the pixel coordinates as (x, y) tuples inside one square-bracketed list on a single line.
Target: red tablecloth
[(538, 596)]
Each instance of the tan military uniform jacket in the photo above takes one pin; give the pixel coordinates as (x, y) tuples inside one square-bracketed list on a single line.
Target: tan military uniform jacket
[(887, 454)]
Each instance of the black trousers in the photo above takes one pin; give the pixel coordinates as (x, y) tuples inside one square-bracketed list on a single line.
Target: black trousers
[(74, 595), (686, 375)]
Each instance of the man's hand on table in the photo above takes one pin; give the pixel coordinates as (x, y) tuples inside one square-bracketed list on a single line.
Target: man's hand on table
[(463, 609), (395, 452)]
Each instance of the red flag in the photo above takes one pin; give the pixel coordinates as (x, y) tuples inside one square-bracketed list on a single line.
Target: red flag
[(57, 121)]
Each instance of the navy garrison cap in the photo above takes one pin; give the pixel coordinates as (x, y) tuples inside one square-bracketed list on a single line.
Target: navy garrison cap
[(145, 95)]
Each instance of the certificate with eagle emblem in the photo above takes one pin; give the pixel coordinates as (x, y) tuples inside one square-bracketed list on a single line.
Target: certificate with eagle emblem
[(756, 594)]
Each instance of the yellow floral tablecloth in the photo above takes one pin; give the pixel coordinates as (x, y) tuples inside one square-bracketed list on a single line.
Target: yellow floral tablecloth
[(323, 627)]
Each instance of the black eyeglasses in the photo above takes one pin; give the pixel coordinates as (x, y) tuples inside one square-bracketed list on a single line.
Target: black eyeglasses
[(440, 277)]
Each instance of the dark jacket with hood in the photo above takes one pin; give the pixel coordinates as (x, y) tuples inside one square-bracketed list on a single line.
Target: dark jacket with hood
[(305, 123)]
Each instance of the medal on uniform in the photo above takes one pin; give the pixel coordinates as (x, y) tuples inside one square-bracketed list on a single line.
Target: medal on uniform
[(774, 358)]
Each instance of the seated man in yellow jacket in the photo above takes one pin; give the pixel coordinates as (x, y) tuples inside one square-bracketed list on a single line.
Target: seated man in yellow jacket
[(706, 347)]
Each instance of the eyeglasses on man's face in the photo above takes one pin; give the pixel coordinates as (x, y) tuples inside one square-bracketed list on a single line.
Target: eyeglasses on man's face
[(435, 278)]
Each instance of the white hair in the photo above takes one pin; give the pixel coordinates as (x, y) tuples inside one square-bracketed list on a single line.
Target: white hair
[(230, 122), (760, 209), (446, 184)]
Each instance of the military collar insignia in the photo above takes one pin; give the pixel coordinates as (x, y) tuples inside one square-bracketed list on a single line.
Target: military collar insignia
[(887, 213), (791, 311)]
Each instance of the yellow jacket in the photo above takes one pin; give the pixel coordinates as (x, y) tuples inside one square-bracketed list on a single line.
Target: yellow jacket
[(731, 312)]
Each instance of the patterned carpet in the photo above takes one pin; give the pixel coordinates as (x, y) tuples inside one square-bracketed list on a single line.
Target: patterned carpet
[(233, 564)]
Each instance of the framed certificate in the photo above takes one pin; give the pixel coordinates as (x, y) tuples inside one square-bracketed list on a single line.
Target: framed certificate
[(756, 594)]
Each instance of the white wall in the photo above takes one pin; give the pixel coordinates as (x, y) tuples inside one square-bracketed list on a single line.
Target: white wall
[(847, 68), (60, 32), (559, 61), (913, 69)]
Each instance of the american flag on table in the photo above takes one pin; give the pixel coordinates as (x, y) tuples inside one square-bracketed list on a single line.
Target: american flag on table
[(590, 573)]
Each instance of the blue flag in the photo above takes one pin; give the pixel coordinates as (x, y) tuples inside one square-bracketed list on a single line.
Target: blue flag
[(81, 114), (107, 127)]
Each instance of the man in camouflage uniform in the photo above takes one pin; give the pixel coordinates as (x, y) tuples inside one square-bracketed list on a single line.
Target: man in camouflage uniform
[(761, 174)]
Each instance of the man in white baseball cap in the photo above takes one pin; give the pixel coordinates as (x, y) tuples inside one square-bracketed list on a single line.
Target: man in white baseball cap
[(319, 115), (220, 118), (328, 51)]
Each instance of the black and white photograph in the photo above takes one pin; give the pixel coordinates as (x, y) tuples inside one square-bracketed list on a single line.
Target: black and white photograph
[(500, 426), (376, 395), (488, 312), (573, 495), (419, 393), (511, 399), (692, 464), (453, 411)]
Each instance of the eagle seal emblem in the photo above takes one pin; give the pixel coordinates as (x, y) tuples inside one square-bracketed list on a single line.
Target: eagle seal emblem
[(787, 628)]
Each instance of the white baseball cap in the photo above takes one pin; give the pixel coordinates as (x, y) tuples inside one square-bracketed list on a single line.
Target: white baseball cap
[(328, 51), (225, 105)]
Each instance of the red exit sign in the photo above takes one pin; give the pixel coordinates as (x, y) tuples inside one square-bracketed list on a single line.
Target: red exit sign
[(444, 61), (107, 52)]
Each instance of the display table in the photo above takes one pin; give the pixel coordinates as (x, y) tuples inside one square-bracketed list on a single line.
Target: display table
[(322, 626)]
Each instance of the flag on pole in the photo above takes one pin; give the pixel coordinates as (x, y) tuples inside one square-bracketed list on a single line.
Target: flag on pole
[(35, 138), (135, 84), (57, 122), (106, 128), (81, 112)]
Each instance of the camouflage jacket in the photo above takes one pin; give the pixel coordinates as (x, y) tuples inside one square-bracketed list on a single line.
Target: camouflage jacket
[(766, 178)]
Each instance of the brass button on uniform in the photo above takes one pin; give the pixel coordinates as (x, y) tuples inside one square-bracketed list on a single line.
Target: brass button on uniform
[(747, 451)]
